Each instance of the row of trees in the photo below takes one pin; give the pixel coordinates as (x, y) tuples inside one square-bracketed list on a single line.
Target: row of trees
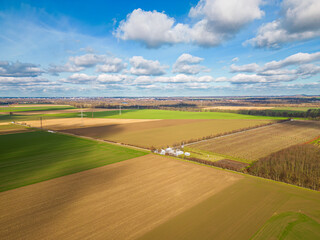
[(311, 113), (298, 165)]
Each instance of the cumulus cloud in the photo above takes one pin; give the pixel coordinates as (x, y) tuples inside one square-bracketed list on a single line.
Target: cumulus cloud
[(179, 78), (111, 65), (79, 78), (188, 64), (214, 22), (252, 67), (24, 81), (242, 78), (18, 69), (113, 78), (68, 67), (105, 63), (277, 71), (299, 20), (298, 58), (141, 66), (87, 60)]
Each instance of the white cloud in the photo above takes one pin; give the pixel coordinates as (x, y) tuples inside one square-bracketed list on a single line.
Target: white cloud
[(298, 58), (111, 65), (236, 59), (227, 16), (112, 78), (68, 67), (24, 81), (255, 78), (215, 21), (79, 78), (300, 20), (87, 60), (188, 64), (308, 70), (18, 69), (141, 66), (252, 67)]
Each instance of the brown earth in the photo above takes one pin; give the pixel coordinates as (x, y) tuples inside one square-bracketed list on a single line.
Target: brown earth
[(66, 123), (119, 201), (164, 133), (256, 143)]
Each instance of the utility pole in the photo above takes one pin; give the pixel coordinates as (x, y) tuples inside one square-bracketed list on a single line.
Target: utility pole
[(81, 116), (41, 122), (119, 109)]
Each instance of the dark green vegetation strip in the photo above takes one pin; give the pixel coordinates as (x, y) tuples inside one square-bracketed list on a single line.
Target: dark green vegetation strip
[(239, 211), (27, 158), (289, 225)]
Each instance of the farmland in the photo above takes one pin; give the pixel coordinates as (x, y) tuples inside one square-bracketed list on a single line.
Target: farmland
[(243, 209), (256, 143), (31, 157), (153, 197), (118, 201), (161, 133), (167, 114), (31, 107), (11, 128)]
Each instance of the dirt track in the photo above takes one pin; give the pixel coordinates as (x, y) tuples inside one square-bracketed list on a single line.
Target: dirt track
[(118, 201)]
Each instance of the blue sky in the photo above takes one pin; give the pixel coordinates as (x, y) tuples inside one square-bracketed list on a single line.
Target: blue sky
[(159, 48)]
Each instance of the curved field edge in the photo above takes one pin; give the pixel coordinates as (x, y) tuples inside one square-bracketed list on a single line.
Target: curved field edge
[(32, 157), (289, 225), (238, 211)]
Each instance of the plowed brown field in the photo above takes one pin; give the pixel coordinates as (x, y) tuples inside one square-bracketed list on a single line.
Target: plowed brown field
[(119, 201), (67, 123), (256, 143), (164, 133)]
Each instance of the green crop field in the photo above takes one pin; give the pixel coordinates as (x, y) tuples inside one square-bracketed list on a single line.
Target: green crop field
[(249, 208), (31, 157), (289, 225), (167, 114), (34, 108)]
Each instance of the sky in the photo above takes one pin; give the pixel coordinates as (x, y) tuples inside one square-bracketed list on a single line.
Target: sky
[(159, 48)]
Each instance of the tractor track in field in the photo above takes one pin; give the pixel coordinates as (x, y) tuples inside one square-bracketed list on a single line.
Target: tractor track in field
[(229, 134)]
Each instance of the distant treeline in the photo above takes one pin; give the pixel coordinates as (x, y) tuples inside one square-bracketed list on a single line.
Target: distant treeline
[(298, 165), (311, 113)]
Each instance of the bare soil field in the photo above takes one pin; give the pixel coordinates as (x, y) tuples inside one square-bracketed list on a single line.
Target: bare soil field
[(67, 123), (120, 201), (256, 143), (238, 108), (164, 133)]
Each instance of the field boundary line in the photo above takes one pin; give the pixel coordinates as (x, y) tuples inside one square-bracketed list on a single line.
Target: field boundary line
[(229, 134), (90, 138)]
